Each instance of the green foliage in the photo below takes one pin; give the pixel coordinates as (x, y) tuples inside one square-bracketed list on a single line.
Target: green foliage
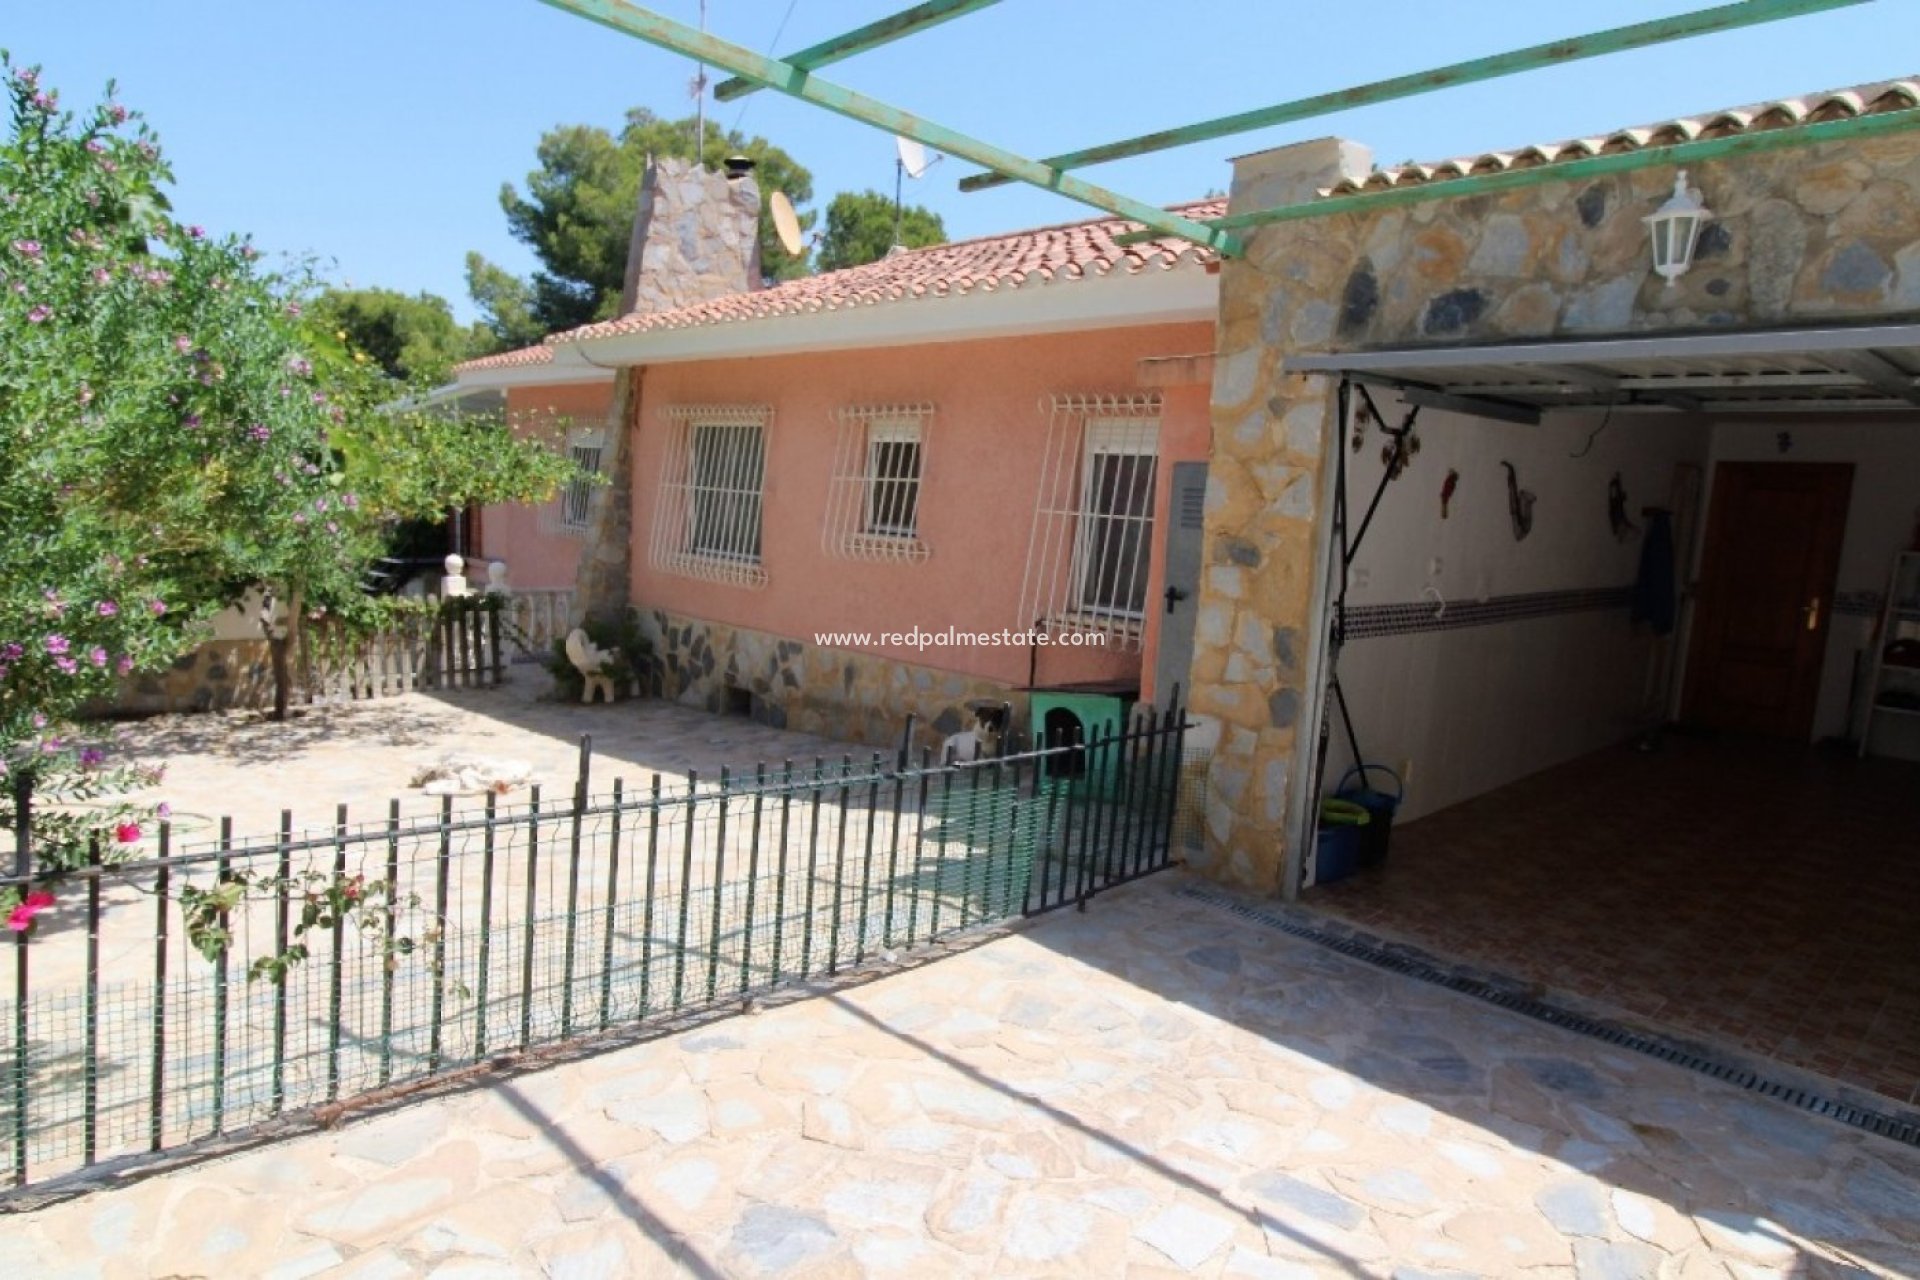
[(506, 304), (629, 645), (325, 900), (413, 338), (860, 229), (174, 432), (577, 215)]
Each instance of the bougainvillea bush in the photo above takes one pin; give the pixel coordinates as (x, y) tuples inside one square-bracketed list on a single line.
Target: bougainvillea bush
[(175, 437)]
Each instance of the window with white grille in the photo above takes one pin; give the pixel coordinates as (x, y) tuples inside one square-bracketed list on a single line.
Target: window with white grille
[(568, 512), (1090, 554), (873, 506), (707, 522), (578, 495)]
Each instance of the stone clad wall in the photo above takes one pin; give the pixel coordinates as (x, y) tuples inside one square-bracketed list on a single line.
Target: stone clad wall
[(1803, 235), (218, 675), (836, 693)]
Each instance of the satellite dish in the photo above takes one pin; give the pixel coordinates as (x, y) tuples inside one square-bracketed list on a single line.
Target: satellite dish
[(786, 223), (913, 156)]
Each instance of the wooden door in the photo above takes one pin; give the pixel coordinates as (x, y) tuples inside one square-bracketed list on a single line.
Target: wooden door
[(1766, 596)]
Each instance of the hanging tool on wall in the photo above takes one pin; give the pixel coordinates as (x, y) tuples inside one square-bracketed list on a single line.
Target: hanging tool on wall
[(1623, 528), (1447, 487), (1519, 504)]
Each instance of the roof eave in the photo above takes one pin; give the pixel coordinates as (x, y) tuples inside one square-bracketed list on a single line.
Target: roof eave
[(1162, 296)]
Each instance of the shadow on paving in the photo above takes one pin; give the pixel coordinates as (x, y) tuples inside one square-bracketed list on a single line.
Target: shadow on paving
[(1794, 1192), (623, 1201)]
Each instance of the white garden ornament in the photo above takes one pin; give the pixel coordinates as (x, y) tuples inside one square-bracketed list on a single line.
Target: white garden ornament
[(590, 660)]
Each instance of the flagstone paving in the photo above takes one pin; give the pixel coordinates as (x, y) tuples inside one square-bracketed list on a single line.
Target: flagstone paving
[(1153, 1088), (365, 754)]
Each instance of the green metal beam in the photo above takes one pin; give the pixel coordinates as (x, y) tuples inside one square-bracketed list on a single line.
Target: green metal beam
[(643, 24), (1680, 153), (1726, 17), (884, 31)]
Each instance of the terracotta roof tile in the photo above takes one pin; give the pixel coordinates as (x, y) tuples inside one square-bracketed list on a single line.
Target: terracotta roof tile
[(1070, 251), (507, 360), (1783, 113)]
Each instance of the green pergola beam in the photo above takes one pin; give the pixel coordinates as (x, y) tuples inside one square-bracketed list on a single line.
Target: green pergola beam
[(1679, 153), (1726, 17), (883, 31), (654, 29)]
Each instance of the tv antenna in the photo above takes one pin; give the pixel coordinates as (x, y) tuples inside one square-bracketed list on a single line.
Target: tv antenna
[(697, 88), (910, 160)]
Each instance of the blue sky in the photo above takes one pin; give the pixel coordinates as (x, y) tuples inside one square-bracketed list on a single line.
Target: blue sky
[(376, 133)]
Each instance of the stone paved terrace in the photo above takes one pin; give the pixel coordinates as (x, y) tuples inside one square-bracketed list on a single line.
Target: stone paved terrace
[(1154, 1088), (364, 754)]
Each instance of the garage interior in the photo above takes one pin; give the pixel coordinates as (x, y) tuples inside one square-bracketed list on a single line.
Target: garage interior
[(1693, 794)]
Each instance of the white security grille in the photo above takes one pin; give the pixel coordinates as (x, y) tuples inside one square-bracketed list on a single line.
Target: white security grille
[(706, 523), (1087, 562), (566, 515), (873, 506)]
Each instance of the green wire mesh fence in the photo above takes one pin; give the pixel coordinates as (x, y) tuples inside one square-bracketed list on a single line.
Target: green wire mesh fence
[(224, 984)]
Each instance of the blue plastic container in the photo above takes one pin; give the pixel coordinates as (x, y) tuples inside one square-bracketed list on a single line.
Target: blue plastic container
[(1380, 807), (1338, 849)]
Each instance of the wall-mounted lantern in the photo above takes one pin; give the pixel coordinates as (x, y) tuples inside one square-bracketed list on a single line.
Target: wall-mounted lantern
[(1675, 229)]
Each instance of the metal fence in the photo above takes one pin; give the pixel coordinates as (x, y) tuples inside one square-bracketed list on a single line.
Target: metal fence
[(220, 985)]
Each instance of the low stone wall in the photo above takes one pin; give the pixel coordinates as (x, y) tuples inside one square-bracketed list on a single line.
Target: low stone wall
[(217, 676), (836, 693)]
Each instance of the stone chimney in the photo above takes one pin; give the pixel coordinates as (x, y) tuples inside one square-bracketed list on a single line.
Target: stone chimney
[(696, 236)]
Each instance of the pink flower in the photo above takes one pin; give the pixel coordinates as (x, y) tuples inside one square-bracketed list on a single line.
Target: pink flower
[(198, 233), (182, 343), (39, 314), (157, 606), (97, 656), (102, 276), (67, 665), (92, 757), (107, 608), (57, 643), (163, 811), (27, 248), (127, 832), (124, 665), (20, 919)]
